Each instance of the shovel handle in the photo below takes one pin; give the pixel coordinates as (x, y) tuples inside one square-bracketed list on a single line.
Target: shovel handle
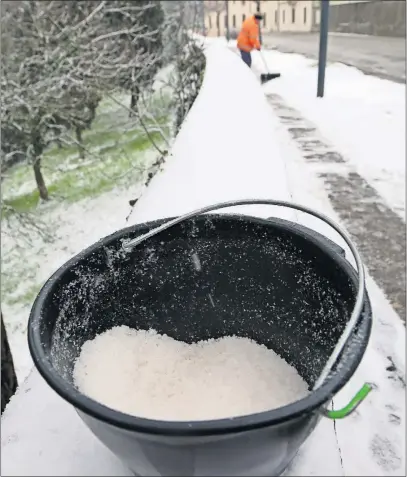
[(264, 61)]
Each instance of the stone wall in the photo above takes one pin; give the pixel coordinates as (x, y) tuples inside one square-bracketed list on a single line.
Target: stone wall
[(381, 18)]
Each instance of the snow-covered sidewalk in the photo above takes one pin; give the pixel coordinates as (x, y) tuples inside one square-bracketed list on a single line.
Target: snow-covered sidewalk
[(231, 146), (372, 440), (363, 116)]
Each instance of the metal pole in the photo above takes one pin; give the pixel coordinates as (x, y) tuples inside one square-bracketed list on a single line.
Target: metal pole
[(227, 20), (323, 47), (258, 11)]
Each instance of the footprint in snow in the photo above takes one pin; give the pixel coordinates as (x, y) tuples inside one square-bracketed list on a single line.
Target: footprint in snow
[(384, 453), (394, 373)]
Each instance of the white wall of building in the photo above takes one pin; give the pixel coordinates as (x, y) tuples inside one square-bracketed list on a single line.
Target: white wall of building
[(278, 15), (238, 12), (293, 16)]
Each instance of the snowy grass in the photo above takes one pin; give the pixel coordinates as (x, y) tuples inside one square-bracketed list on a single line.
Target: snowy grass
[(88, 200), (113, 147)]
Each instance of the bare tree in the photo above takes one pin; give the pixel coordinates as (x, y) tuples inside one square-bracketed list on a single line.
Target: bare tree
[(59, 58), (150, 44), (217, 7), (77, 112), (22, 121), (186, 55)]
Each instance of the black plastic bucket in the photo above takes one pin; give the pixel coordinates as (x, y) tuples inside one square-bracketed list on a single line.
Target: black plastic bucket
[(271, 280)]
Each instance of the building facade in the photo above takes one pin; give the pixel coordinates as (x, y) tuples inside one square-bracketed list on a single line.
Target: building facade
[(287, 15), (279, 15)]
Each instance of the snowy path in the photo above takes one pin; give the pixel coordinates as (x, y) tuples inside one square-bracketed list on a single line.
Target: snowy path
[(377, 429), (378, 231), (384, 57), (265, 163), (363, 116), (312, 164)]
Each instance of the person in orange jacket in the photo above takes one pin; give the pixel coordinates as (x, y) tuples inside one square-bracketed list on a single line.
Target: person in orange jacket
[(248, 38)]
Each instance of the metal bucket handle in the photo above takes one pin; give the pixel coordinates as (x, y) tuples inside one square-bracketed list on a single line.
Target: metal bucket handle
[(349, 328)]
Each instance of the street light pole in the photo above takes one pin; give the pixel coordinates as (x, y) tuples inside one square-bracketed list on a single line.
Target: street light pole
[(323, 47), (258, 11), (227, 20)]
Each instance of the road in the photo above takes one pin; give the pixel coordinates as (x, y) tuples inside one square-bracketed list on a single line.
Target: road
[(374, 55)]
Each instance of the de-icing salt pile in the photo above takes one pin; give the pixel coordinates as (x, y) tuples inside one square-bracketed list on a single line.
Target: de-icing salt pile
[(153, 376)]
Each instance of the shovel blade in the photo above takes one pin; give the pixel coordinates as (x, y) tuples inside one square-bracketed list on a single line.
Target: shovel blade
[(268, 77)]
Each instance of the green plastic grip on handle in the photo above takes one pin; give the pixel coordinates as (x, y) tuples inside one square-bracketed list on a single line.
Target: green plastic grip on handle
[(352, 405)]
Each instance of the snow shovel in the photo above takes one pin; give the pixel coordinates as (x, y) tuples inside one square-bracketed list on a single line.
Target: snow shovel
[(264, 77)]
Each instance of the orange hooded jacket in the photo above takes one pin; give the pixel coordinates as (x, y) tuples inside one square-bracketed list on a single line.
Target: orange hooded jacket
[(248, 38)]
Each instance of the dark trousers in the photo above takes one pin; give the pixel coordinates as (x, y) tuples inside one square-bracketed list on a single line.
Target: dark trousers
[(246, 57)]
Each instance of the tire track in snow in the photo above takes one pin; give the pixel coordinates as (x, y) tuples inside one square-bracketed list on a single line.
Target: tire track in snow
[(377, 230)]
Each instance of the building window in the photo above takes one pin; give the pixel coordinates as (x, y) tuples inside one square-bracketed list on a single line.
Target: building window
[(226, 21), (283, 16), (243, 17), (210, 21), (305, 14), (276, 17), (264, 19), (234, 20), (217, 20), (293, 15)]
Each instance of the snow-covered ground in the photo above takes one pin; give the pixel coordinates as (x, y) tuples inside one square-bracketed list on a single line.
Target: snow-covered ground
[(363, 116), (372, 441), (93, 204), (216, 158), (75, 227)]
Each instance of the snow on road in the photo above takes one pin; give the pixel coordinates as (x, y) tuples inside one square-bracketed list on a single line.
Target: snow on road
[(363, 116)]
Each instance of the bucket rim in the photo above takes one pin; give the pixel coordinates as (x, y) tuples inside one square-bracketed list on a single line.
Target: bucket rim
[(298, 409)]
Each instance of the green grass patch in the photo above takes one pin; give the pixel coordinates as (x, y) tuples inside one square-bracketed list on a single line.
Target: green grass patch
[(22, 203), (117, 152), (115, 144), (26, 298), (11, 282), (89, 177)]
